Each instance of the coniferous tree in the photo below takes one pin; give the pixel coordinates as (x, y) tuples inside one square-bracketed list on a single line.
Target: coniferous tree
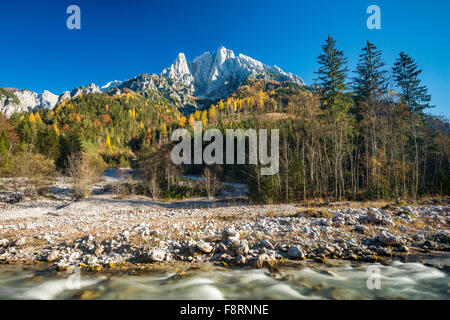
[(332, 72), (371, 80), (47, 143), (406, 76), (370, 86), (70, 144), (336, 101)]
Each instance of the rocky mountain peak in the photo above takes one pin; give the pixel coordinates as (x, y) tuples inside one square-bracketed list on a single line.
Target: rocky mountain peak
[(210, 75), (91, 88), (215, 75), (180, 66), (23, 100)]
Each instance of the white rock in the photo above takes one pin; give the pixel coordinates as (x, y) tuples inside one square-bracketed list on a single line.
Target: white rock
[(388, 239), (156, 255), (240, 259), (52, 256), (242, 249), (295, 252), (110, 85), (216, 75), (231, 232), (20, 242), (203, 247), (4, 242)]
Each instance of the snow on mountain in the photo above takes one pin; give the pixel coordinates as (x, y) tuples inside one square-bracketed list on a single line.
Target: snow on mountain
[(210, 75), (91, 88), (47, 99), (64, 96), (23, 100), (179, 72), (110, 85), (215, 75), (201, 68)]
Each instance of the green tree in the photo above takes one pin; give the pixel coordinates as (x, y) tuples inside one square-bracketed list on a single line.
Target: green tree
[(371, 81), (47, 143), (332, 73), (406, 77), (4, 142), (70, 143)]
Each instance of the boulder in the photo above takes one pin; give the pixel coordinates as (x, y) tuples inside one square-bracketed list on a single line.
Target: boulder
[(242, 249), (444, 236), (52, 256), (4, 243), (295, 252), (203, 247), (388, 239), (156, 255), (240, 259)]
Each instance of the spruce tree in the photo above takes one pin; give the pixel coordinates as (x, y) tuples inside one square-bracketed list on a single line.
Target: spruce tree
[(371, 80), (332, 73), (406, 76)]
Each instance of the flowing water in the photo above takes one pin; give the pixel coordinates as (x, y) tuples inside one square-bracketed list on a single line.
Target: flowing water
[(344, 280)]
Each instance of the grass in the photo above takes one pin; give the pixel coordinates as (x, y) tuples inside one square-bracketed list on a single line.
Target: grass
[(314, 213)]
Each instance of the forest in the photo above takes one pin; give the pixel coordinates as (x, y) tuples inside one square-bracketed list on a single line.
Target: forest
[(356, 135)]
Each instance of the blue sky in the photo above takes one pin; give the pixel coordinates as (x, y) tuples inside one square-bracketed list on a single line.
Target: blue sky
[(121, 39)]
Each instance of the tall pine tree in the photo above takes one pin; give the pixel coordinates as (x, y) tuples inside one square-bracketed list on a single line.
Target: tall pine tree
[(370, 81), (406, 76), (332, 73)]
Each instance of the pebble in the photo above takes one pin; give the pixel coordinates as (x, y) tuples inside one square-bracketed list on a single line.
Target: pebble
[(284, 235)]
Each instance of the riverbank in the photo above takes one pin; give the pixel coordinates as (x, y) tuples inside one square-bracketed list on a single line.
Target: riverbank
[(108, 232)]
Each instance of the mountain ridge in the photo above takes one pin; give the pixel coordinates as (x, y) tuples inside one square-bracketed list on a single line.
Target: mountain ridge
[(210, 76)]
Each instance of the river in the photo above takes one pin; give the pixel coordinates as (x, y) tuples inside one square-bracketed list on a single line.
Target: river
[(342, 280)]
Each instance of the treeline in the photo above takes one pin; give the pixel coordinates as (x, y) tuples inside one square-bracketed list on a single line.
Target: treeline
[(108, 129), (350, 137)]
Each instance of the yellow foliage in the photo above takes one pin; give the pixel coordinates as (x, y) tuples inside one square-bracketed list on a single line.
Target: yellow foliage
[(108, 143), (197, 115), (182, 121), (164, 130), (191, 121), (204, 118), (132, 113), (212, 113), (55, 127)]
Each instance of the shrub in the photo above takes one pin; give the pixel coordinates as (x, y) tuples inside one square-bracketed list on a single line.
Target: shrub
[(83, 174), (37, 170)]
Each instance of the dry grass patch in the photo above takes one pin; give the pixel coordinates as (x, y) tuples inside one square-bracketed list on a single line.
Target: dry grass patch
[(314, 213)]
